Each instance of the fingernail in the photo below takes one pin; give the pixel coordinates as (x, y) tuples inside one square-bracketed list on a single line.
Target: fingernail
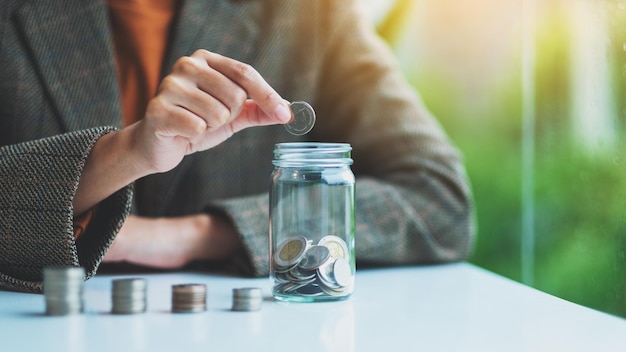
[(283, 113)]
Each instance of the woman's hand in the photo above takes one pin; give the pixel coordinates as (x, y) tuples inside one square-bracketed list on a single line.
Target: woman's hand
[(173, 242), (201, 103)]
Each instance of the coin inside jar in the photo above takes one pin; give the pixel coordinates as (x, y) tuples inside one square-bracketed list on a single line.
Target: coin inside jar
[(290, 252), (315, 257), (342, 272), (303, 118), (338, 247)]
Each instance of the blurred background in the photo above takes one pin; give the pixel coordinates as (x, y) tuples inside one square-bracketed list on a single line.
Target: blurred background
[(533, 92)]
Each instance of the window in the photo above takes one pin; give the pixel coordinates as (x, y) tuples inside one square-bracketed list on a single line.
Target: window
[(542, 83)]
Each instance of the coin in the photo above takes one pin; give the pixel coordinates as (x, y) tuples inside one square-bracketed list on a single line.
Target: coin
[(310, 290), (333, 291), (338, 247), (290, 252), (248, 292), (342, 272), (303, 118), (130, 284), (129, 296), (64, 272), (281, 277), (325, 274), (189, 298), (314, 257), (247, 299), (63, 290), (307, 270)]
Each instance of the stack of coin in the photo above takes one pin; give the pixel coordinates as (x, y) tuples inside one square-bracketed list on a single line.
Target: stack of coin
[(129, 296), (63, 290), (304, 269), (189, 298), (247, 299)]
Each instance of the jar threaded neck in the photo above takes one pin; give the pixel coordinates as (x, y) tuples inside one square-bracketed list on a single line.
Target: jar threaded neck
[(312, 153)]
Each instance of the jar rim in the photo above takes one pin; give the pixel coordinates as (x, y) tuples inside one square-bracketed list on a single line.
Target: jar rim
[(312, 153), (304, 146)]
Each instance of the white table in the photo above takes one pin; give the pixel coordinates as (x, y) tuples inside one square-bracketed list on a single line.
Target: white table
[(456, 307)]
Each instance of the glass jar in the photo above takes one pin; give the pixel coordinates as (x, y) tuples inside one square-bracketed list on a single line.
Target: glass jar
[(312, 222)]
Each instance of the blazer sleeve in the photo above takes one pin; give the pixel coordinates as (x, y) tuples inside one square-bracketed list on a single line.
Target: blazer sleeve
[(38, 181), (413, 198)]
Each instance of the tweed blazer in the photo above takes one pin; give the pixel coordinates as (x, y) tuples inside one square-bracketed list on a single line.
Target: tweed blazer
[(59, 94)]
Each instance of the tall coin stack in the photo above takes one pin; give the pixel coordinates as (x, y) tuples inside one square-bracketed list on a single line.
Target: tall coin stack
[(63, 290), (129, 296), (247, 299), (189, 298)]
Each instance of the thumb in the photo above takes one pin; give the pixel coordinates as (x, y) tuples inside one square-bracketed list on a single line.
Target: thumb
[(252, 115)]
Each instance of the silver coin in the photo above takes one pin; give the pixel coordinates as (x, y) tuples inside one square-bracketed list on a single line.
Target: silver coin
[(303, 118), (338, 247), (310, 291), (246, 306), (288, 287), (247, 299), (64, 272), (282, 270), (342, 272), (189, 298), (325, 274), (283, 287), (63, 290), (63, 308), (131, 284), (141, 294), (70, 290), (336, 291), (134, 307), (189, 309), (291, 277), (248, 292), (129, 296), (189, 288), (315, 257), (290, 251), (296, 274), (281, 277)]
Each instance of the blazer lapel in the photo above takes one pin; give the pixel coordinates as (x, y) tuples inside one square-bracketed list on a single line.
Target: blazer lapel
[(72, 49), (226, 27)]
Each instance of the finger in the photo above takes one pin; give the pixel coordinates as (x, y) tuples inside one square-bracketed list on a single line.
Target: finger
[(252, 115), (252, 82), (186, 94), (212, 82), (173, 120)]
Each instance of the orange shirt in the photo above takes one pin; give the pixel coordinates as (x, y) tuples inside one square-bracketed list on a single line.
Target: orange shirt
[(140, 32), (140, 35)]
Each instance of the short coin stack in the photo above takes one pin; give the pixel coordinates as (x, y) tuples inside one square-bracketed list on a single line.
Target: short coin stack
[(189, 298), (247, 299), (63, 290), (306, 269), (129, 296)]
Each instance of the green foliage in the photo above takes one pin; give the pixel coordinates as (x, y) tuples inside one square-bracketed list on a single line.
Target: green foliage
[(579, 196), (581, 228)]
